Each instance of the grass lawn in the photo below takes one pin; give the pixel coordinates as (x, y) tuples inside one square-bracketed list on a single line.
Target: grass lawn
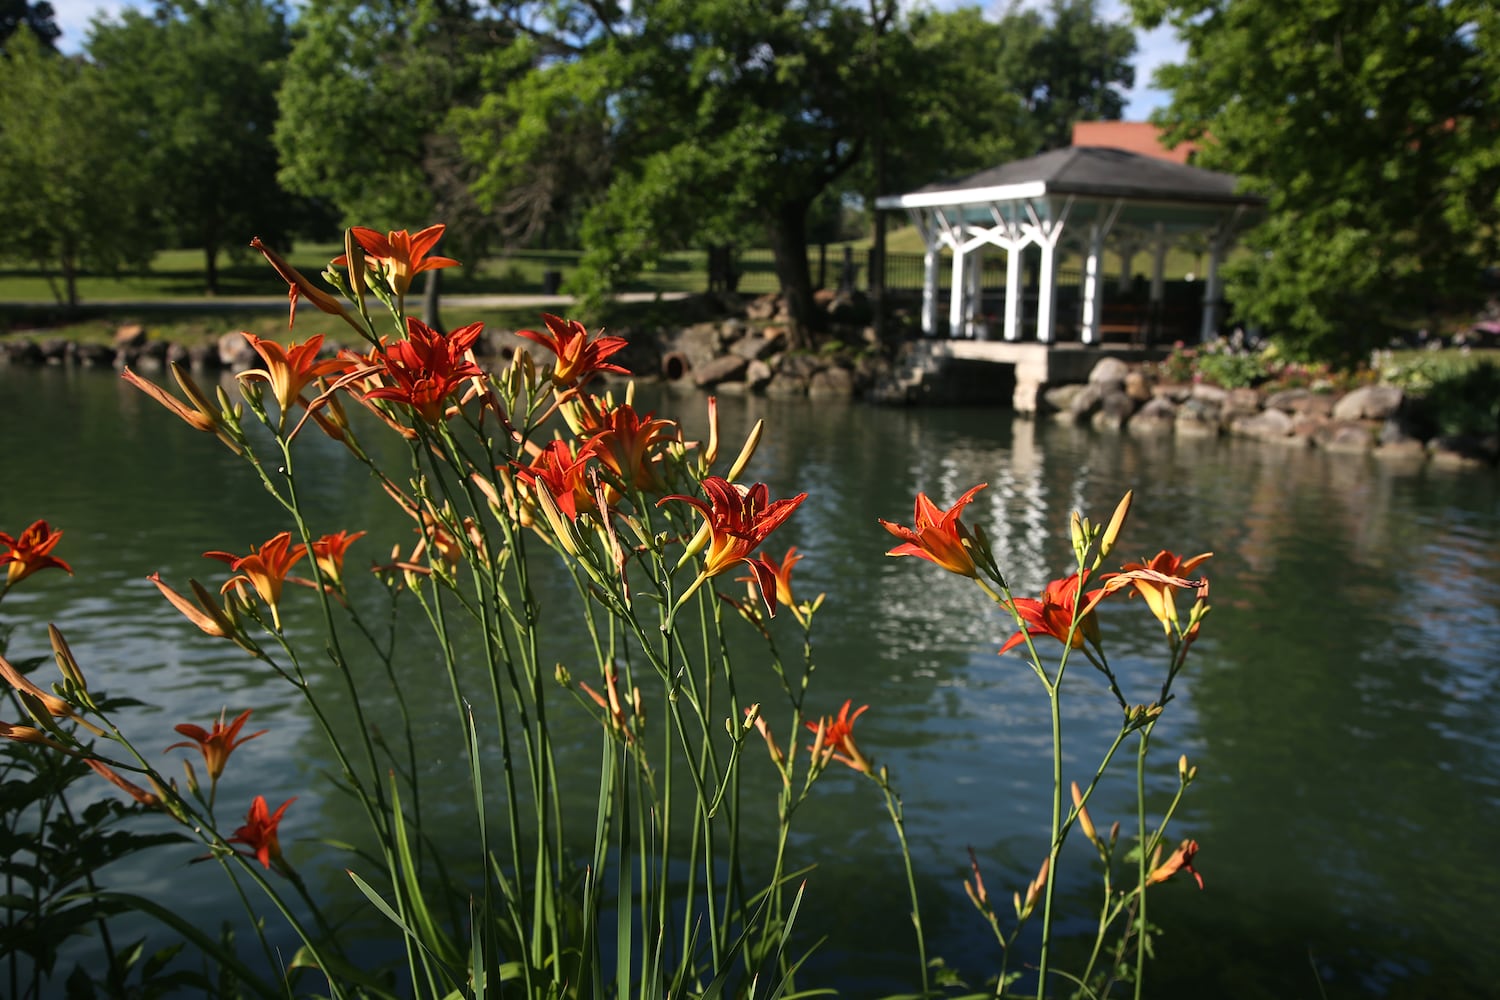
[(176, 276)]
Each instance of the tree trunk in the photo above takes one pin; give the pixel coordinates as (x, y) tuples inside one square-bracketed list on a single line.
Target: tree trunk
[(210, 269), (788, 235), (69, 264), (430, 304)]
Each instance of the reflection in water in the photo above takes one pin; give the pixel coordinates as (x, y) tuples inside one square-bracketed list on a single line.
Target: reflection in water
[(1342, 706)]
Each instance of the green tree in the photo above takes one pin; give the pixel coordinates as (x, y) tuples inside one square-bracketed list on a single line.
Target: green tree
[(73, 191), (38, 17), (716, 119), (366, 93), (197, 82), (1067, 65), (1370, 126)]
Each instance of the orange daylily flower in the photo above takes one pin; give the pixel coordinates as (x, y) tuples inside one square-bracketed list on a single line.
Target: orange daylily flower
[(739, 519), (29, 552), (426, 368), (299, 287), (260, 832), (329, 551), (781, 572), (290, 369), (264, 569), (1180, 860), (623, 440), (564, 475), (218, 743), (1053, 614), (938, 535), (835, 738), (1160, 597), (578, 358), (398, 256)]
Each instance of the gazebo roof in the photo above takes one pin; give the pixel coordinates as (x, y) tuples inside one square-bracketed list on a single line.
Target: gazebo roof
[(1150, 189)]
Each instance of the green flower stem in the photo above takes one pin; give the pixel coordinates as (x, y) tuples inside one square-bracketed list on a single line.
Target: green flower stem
[(893, 807)]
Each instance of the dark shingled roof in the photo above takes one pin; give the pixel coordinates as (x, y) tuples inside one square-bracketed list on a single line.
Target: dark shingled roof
[(1103, 172)]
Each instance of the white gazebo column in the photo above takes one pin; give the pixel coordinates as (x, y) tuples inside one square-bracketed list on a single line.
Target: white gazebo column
[(1046, 235), (930, 291), (1210, 328), (1158, 280), (974, 295), (1013, 250), (1046, 296), (957, 294), (1093, 275), (1127, 258), (1093, 286), (1218, 245)]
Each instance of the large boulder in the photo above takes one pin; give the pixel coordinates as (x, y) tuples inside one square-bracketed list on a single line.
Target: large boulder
[(725, 368), (1109, 371), (1264, 425), (235, 352), (831, 383), (1369, 402), (1157, 416)]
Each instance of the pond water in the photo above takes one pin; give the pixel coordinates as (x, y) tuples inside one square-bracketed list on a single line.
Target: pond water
[(1342, 707)]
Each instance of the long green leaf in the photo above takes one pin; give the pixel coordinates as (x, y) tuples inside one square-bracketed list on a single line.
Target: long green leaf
[(225, 957)]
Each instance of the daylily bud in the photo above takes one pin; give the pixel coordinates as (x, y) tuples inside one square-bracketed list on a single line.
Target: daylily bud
[(355, 255), (1078, 534), (1033, 891), (748, 451), (711, 450), (30, 734), (65, 659), (1084, 822), (563, 676), (1116, 522), (1185, 774)]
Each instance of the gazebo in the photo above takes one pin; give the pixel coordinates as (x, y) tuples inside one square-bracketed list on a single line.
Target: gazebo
[(1080, 197)]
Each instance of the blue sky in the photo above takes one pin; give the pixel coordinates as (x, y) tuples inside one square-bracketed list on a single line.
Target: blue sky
[(1153, 47)]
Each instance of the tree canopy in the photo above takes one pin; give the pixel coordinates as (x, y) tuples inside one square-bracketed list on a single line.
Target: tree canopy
[(197, 80), (714, 120), (39, 18), (74, 196), (1371, 127)]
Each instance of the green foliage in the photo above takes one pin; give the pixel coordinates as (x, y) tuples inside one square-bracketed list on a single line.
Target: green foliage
[(363, 101), (1067, 66), (1455, 395), (75, 193), (38, 18), (1370, 128), (196, 82)]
